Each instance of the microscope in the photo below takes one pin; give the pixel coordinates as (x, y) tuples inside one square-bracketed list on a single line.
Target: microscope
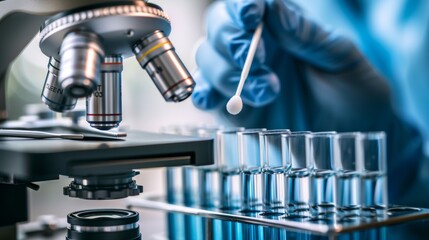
[(86, 42)]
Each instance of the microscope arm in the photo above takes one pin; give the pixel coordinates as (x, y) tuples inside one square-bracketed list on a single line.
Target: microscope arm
[(20, 21)]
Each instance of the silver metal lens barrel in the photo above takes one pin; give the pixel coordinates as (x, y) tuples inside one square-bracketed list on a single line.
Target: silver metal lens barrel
[(104, 105), (81, 55), (157, 56), (104, 228), (103, 224), (52, 93)]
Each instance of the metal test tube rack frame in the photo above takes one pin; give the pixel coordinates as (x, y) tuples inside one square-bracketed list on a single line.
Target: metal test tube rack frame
[(329, 228)]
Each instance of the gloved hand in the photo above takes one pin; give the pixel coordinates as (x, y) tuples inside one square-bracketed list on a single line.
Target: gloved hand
[(303, 77), (288, 37)]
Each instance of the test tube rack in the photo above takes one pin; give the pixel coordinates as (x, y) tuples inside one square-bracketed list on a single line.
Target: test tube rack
[(327, 226)]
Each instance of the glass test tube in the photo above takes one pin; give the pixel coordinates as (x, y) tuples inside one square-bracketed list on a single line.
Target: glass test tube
[(209, 179), (183, 182), (323, 182), (295, 147), (348, 167), (229, 167), (273, 180), (173, 174), (275, 167), (194, 225), (189, 173), (209, 188), (374, 175), (230, 184), (251, 169), (180, 181), (176, 221)]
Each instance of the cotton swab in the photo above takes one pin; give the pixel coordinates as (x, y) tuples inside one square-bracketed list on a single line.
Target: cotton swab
[(235, 104)]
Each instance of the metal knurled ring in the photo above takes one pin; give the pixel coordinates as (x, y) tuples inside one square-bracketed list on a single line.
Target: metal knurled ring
[(101, 12), (76, 190)]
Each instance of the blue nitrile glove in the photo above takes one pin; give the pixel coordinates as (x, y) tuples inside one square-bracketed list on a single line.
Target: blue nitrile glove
[(303, 77), (289, 39)]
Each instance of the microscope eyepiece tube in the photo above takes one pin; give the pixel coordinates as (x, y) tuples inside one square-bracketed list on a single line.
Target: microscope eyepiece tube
[(103, 224), (52, 93), (156, 54), (81, 55), (104, 105)]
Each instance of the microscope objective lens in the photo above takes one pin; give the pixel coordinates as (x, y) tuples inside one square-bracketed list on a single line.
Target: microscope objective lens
[(52, 93), (104, 106), (156, 54), (81, 55)]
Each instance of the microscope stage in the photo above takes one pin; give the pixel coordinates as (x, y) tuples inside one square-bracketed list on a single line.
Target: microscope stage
[(39, 160)]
